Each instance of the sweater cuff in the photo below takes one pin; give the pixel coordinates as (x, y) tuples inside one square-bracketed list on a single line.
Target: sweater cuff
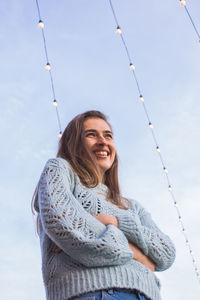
[(126, 223), (131, 227), (121, 241)]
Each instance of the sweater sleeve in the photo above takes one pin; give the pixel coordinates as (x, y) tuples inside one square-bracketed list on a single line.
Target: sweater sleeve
[(69, 226), (141, 230)]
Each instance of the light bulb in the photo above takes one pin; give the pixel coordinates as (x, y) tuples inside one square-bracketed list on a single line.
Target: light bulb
[(182, 3), (47, 67), (41, 24), (141, 98), (180, 219), (158, 149), (118, 30), (165, 170), (60, 135), (55, 103), (150, 125), (169, 188), (132, 67), (176, 205)]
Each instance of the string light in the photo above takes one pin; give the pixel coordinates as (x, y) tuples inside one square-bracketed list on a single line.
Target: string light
[(152, 131), (118, 30), (132, 67), (55, 104), (158, 149), (182, 3), (48, 68), (165, 170), (141, 98), (60, 135), (41, 24), (150, 125), (169, 188)]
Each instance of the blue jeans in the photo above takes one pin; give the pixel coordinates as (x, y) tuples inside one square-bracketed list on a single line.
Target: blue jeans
[(111, 294)]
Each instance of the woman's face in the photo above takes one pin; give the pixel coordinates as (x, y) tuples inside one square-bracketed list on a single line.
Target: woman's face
[(100, 142)]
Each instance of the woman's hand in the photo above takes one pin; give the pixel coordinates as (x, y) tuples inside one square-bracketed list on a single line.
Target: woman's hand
[(56, 249), (140, 257), (107, 219)]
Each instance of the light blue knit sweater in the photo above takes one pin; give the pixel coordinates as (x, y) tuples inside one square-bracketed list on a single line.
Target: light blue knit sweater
[(94, 256)]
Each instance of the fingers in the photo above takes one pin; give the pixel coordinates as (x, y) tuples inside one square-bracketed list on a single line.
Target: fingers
[(56, 249), (107, 219)]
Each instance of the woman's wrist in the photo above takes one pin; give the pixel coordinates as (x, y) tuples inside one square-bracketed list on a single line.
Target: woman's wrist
[(139, 256)]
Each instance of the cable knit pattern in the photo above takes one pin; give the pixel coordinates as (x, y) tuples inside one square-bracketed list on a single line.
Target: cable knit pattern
[(94, 256)]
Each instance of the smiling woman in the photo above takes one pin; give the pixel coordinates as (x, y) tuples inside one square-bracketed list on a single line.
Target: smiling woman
[(100, 142), (95, 243)]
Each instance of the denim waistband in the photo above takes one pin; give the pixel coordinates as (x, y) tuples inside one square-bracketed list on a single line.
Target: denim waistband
[(108, 293), (136, 292)]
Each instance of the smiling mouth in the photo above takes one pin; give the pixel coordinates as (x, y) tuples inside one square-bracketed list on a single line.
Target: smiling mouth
[(101, 154)]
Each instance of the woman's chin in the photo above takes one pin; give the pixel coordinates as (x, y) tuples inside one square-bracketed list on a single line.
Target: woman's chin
[(103, 167)]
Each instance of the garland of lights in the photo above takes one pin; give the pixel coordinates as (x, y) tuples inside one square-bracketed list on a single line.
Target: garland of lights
[(141, 99), (48, 68), (183, 4)]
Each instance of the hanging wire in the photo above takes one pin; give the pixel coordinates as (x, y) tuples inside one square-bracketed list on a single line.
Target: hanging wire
[(48, 68), (183, 4), (132, 68)]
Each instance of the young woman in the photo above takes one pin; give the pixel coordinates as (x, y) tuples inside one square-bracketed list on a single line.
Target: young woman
[(95, 243)]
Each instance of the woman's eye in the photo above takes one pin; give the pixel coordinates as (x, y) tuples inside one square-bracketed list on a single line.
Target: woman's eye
[(90, 134), (108, 135)]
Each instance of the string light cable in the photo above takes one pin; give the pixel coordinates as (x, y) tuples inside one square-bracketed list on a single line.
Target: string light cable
[(183, 4), (48, 68), (157, 148)]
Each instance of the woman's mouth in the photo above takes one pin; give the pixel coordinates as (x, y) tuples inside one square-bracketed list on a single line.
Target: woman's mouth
[(101, 154)]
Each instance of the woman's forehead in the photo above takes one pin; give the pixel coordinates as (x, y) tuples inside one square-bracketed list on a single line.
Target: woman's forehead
[(97, 124)]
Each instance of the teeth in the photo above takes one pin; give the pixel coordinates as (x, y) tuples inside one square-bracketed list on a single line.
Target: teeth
[(104, 153)]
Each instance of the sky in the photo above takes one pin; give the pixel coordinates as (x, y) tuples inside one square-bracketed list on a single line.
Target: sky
[(91, 71)]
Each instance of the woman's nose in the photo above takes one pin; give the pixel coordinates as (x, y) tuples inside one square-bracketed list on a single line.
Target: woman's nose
[(101, 140)]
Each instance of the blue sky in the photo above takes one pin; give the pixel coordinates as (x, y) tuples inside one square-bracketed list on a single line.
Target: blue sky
[(91, 71)]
